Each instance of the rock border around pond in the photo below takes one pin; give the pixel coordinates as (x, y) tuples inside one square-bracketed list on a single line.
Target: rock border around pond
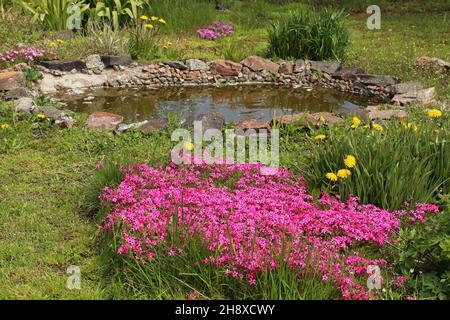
[(96, 71)]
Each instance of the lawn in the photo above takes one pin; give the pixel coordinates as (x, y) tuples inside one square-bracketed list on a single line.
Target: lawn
[(51, 180)]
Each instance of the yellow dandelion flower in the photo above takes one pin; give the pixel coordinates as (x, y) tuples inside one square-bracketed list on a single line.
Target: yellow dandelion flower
[(60, 41), (154, 18), (320, 137), (4, 126), (149, 26), (350, 161), (377, 127), (331, 176), (165, 47), (366, 126), (143, 17), (162, 21), (52, 44), (434, 113), (189, 146), (344, 173), (356, 122), (169, 43), (412, 126), (41, 116)]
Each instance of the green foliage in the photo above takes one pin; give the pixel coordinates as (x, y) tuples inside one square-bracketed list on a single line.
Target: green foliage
[(115, 12), (53, 13), (393, 166), (32, 74), (311, 34)]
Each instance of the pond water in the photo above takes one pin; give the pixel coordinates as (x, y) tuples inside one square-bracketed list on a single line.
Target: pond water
[(234, 102)]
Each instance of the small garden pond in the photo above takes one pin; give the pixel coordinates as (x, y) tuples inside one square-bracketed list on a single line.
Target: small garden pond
[(234, 102)]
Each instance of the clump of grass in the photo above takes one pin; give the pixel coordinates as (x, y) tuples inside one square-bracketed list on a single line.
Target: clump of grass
[(312, 34)]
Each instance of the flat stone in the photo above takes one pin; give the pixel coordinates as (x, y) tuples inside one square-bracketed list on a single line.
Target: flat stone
[(50, 112), (11, 80), (111, 61), (302, 118), (286, 67), (424, 96), (406, 87), (329, 67), (347, 73), (225, 67), (103, 121), (300, 66), (256, 64), (17, 93), (351, 110), (73, 81), (255, 124), (326, 118), (376, 114), (64, 65), (94, 62), (152, 126), (179, 65), (377, 80), (212, 120), (24, 105), (435, 64), (197, 65)]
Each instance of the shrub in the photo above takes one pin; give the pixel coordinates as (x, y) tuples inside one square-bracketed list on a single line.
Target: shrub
[(310, 34)]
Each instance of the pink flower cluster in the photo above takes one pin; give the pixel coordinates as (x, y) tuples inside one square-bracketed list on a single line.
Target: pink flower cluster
[(249, 222), (215, 31), (27, 55)]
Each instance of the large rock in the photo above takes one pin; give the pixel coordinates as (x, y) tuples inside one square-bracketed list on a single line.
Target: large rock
[(255, 124), (152, 126), (375, 113), (111, 61), (225, 67), (329, 67), (179, 65), (286, 67), (94, 62), (71, 81), (377, 80), (213, 120), (302, 118), (326, 118), (24, 105), (103, 121), (17, 93), (197, 65), (435, 64), (64, 65), (424, 96), (347, 73), (351, 110), (305, 119), (406, 87), (50, 112), (11, 80), (256, 63)]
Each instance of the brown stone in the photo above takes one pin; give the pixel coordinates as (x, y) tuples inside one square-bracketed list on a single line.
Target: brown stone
[(11, 80), (153, 126), (286, 67), (326, 118), (254, 124), (256, 63), (103, 121), (435, 64), (376, 114), (225, 67), (302, 118), (191, 75)]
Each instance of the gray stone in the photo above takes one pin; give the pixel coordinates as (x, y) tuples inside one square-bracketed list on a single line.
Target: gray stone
[(17, 93), (94, 62), (300, 66), (24, 105), (64, 65), (213, 120), (153, 126), (406, 87), (329, 67), (179, 65), (50, 112), (351, 110), (111, 61), (197, 65), (435, 64), (375, 113), (377, 80), (11, 80), (103, 121), (347, 73), (424, 96)]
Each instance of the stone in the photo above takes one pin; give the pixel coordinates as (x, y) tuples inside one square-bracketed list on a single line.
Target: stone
[(179, 65), (111, 61), (435, 64), (406, 87), (225, 67), (94, 62), (197, 65), (103, 121), (256, 64), (347, 73), (302, 118), (24, 105), (72, 81), (255, 124), (300, 66), (377, 80), (64, 65), (286, 67), (17, 93), (152, 126), (66, 122), (329, 67), (424, 96), (326, 118), (376, 114), (351, 110), (11, 80), (50, 112), (212, 120)]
